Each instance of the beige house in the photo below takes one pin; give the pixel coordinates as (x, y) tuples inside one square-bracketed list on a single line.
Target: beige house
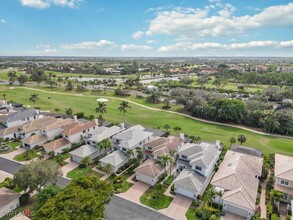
[(284, 176), (9, 200), (149, 172), (57, 146), (238, 179), (34, 140)]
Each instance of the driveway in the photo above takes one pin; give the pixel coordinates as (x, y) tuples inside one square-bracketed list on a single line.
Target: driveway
[(68, 167), (120, 208), (231, 216), (4, 175), (178, 207), (12, 154), (135, 192)]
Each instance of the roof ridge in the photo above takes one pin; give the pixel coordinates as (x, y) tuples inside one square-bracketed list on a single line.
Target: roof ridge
[(243, 186)]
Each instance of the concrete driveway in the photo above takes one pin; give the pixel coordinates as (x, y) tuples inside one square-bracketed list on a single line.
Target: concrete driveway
[(68, 167), (4, 175), (231, 216), (178, 207), (135, 192), (12, 154)]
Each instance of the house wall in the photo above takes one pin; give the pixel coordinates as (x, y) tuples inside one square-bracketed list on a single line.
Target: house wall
[(287, 197), (11, 136), (31, 146), (53, 133), (58, 151), (9, 207), (114, 168), (22, 121), (185, 192)]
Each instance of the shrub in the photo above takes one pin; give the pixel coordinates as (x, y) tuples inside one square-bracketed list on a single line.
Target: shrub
[(118, 179), (199, 213), (24, 199)]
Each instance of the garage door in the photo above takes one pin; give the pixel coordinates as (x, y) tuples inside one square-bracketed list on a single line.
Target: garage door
[(144, 178), (184, 192), (236, 210)]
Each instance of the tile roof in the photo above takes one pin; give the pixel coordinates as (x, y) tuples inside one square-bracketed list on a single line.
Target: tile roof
[(7, 196), (77, 127), (56, 144), (85, 150), (238, 175), (10, 130), (284, 167), (115, 158), (35, 139), (201, 154), (59, 123), (191, 181), (103, 132), (132, 136), (20, 115), (149, 168), (37, 124)]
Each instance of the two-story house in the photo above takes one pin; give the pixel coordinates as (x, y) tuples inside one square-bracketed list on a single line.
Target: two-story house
[(125, 142), (21, 117), (150, 170), (284, 176), (196, 164), (237, 181)]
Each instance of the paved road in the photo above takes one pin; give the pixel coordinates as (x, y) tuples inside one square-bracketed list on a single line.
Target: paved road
[(12, 167), (122, 209)]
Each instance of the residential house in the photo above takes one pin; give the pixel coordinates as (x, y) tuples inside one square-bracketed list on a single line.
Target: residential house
[(77, 131), (11, 132), (237, 181), (149, 171), (21, 117), (131, 138), (116, 159), (34, 140), (196, 164), (56, 128), (78, 154), (57, 146), (9, 200), (284, 176)]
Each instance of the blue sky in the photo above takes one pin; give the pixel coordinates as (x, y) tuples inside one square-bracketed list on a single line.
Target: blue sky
[(146, 27)]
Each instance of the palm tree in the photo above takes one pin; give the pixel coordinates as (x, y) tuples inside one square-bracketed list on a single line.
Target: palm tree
[(195, 139), (102, 108), (101, 120), (211, 194), (130, 153), (232, 140), (124, 105), (12, 77), (34, 97), (139, 152), (177, 129), (69, 111), (271, 123), (172, 154), (4, 96), (108, 169), (87, 161), (164, 160), (242, 138)]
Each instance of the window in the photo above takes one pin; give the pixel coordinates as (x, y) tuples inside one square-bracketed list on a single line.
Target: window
[(285, 197), (198, 168), (284, 182), (124, 149), (183, 157), (150, 148)]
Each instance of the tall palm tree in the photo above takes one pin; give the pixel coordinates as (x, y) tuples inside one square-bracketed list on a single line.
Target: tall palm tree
[(34, 97), (108, 169), (232, 140), (87, 161), (172, 154), (130, 153), (164, 160), (242, 138), (124, 105), (101, 108)]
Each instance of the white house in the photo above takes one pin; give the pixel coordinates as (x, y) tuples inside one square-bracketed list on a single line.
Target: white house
[(196, 164), (102, 133), (76, 131), (78, 154), (21, 117), (9, 200), (237, 179), (116, 159), (54, 129), (149, 172)]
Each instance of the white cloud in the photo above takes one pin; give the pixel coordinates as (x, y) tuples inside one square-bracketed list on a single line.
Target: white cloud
[(151, 41), (88, 45), (43, 46), (45, 52), (3, 21), (186, 22), (137, 35), (213, 46), (41, 4), (133, 47)]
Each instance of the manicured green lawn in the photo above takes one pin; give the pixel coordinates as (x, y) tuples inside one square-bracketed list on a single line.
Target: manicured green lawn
[(150, 118), (64, 156), (190, 214), (13, 146), (126, 186), (79, 172), (169, 180), (24, 157), (161, 203)]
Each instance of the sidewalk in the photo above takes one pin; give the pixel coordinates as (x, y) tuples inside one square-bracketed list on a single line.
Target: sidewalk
[(262, 202)]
